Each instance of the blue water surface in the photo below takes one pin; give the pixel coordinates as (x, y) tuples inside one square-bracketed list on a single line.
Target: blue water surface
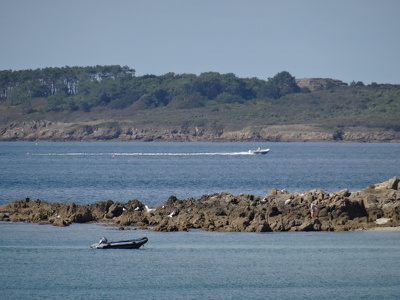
[(87, 172), (47, 262)]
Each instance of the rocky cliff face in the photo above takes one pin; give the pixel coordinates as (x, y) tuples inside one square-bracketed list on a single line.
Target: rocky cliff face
[(376, 205), (98, 131)]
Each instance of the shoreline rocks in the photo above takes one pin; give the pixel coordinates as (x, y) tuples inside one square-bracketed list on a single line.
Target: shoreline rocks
[(106, 131), (377, 205)]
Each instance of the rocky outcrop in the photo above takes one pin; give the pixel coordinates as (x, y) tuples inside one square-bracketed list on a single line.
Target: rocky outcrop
[(374, 206), (113, 131)]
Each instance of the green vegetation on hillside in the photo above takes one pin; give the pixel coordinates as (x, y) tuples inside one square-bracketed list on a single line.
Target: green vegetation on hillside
[(82, 88), (208, 97)]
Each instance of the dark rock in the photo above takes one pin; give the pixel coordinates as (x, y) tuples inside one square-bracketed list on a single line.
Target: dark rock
[(115, 210), (277, 211)]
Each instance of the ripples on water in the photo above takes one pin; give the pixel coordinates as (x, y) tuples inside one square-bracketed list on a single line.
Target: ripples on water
[(151, 172), (41, 261)]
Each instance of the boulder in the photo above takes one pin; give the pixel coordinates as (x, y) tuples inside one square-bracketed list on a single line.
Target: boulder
[(115, 210)]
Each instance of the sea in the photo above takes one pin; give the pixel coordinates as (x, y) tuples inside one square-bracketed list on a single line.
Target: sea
[(48, 262)]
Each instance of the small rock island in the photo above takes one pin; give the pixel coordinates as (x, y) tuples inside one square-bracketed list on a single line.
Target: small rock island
[(377, 205)]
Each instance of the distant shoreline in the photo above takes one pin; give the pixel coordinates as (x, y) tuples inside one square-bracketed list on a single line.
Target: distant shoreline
[(100, 130)]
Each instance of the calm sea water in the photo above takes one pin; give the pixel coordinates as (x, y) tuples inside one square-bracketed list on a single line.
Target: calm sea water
[(151, 172), (46, 262)]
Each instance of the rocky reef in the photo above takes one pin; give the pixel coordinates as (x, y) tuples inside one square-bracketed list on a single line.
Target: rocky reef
[(376, 205)]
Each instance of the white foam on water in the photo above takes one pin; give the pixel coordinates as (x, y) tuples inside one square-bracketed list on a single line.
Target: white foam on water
[(143, 154)]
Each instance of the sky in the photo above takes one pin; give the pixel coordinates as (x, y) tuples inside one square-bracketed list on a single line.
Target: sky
[(348, 40)]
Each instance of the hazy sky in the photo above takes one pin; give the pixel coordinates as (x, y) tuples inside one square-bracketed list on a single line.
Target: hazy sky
[(342, 39)]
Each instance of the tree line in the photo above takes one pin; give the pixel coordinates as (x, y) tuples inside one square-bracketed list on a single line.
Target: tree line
[(82, 88)]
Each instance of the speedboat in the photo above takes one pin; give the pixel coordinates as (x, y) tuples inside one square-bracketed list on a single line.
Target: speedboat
[(130, 244), (259, 151)]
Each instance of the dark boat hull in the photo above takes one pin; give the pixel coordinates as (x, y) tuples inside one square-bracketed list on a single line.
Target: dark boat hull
[(130, 244)]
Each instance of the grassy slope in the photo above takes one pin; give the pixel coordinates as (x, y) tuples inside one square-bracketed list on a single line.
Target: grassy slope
[(339, 107)]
